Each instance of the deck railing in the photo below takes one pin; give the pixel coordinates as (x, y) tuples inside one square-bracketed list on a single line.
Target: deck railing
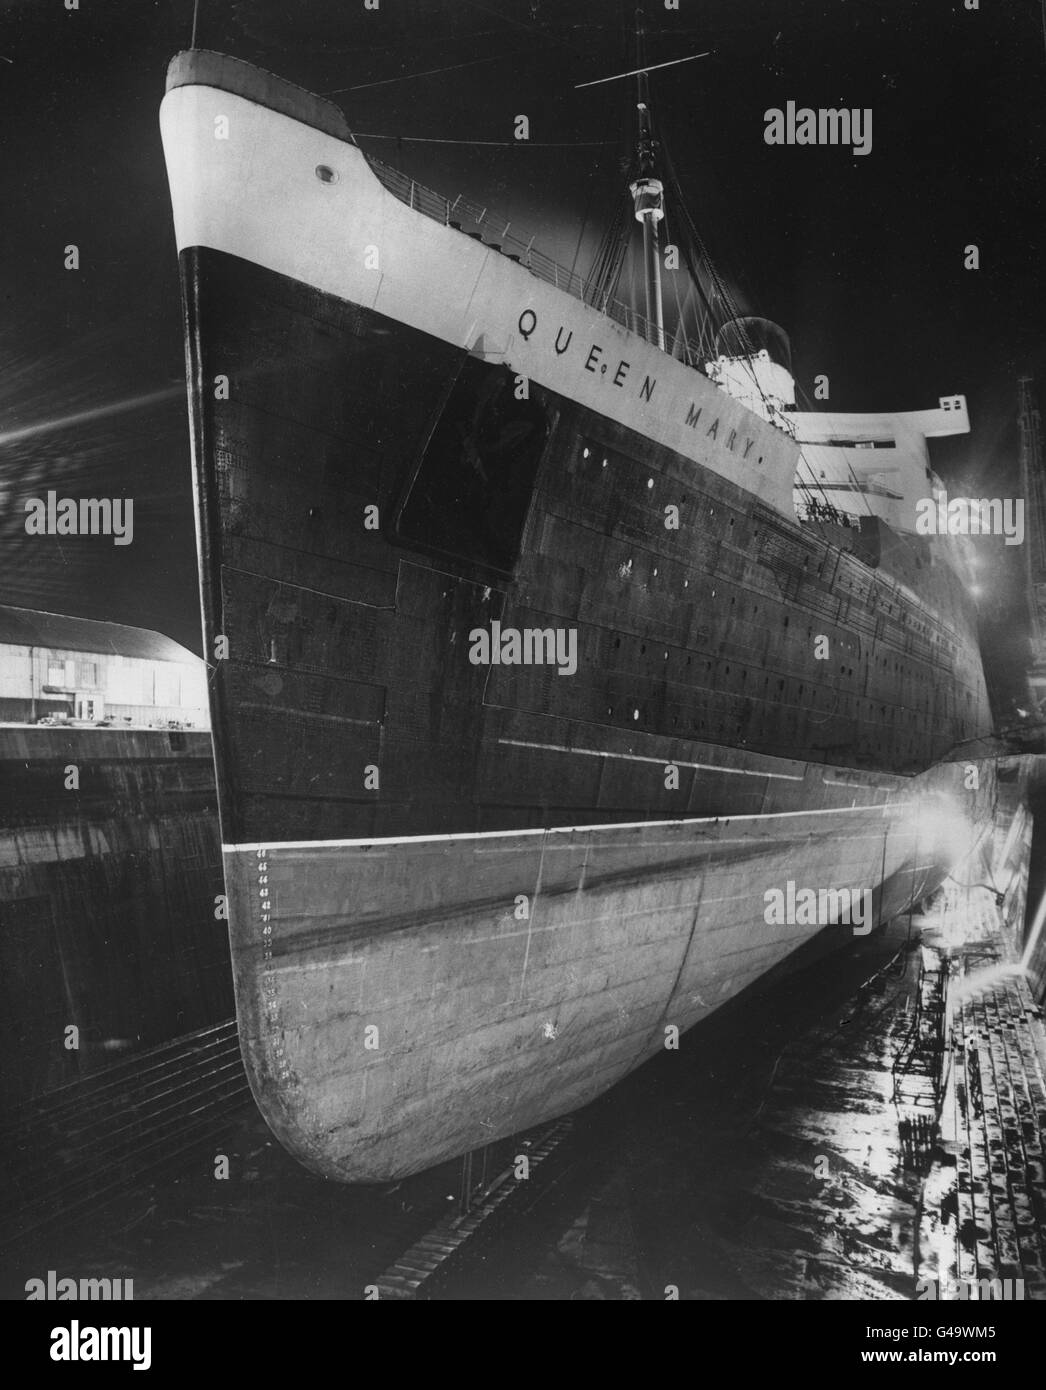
[(489, 227)]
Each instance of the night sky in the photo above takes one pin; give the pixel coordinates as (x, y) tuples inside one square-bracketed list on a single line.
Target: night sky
[(859, 258)]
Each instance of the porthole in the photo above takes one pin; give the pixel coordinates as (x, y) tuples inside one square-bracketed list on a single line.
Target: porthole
[(326, 174)]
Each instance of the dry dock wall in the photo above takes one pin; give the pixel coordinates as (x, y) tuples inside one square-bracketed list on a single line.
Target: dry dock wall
[(109, 870)]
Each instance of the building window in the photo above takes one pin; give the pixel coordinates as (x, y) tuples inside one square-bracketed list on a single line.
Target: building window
[(88, 673), (56, 673)]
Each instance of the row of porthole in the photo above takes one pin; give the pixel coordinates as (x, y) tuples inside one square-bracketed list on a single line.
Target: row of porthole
[(785, 619), (762, 717), (586, 453), (843, 669), (905, 617), (889, 715)]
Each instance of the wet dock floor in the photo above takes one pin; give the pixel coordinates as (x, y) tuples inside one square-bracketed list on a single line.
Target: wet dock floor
[(670, 1169), (762, 1160), (755, 1163)]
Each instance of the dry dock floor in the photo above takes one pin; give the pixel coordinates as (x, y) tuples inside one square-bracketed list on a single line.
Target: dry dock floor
[(762, 1160)]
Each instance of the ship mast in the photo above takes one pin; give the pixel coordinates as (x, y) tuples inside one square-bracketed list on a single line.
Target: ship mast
[(648, 196)]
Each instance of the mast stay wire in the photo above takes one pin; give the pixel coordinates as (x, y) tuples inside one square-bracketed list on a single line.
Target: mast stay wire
[(594, 175), (731, 310), (718, 289), (680, 338)]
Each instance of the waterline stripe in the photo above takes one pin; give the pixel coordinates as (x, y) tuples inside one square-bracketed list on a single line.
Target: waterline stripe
[(639, 758), (552, 830)]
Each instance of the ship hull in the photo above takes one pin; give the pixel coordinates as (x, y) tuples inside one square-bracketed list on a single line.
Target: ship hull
[(468, 894), (349, 560), (401, 1001)]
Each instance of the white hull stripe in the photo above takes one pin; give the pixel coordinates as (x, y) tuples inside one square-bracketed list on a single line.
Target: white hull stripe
[(884, 806), (662, 762)]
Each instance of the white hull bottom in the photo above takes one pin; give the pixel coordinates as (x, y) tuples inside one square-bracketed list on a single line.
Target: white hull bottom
[(401, 1002)]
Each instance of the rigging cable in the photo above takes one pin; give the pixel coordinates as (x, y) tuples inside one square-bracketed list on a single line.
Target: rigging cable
[(596, 171)]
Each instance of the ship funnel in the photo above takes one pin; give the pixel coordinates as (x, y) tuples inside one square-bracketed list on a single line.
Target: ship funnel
[(754, 364), (748, 337)]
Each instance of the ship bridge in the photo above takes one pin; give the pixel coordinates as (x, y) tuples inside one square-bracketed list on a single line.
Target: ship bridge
[(850, 465), (872, 465)]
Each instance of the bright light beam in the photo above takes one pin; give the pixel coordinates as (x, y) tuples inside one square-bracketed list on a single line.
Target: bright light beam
[(97, 412)]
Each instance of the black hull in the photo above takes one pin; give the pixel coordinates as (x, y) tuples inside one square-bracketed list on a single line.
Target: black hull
[(348, 645)]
